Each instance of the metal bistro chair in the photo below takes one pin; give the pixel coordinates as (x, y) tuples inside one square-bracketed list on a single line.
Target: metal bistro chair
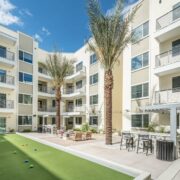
[(146, 143), (127, 139)]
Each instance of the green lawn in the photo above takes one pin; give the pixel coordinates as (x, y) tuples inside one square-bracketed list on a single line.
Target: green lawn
[(49, 163)]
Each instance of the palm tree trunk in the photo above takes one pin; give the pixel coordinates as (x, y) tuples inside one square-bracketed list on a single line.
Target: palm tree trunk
[(58, 106), (108, 80)]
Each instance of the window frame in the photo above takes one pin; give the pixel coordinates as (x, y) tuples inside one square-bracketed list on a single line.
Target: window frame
[(92, 59), (91, 121), (23, 99), (91, 99), (92, 78), (23, 57), (142, 120), (78, 120), (25, 123), (142, 91), (23, 73), (79, 66)]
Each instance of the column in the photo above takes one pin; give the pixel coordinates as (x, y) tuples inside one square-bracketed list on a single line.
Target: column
[(173, 124)]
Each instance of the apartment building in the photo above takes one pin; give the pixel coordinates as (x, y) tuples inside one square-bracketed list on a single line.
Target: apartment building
[(27, 96), (151, 67)]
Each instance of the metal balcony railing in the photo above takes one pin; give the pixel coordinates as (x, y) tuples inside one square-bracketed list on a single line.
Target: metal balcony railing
[(7, 79), (7, 55), (73, 90), (167, 96), (168, 18), (46, 109), (45, 89), (8, 104), (168, 57)]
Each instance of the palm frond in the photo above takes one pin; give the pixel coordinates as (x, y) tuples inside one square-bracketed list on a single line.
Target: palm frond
[(58, 67), (110, 32)]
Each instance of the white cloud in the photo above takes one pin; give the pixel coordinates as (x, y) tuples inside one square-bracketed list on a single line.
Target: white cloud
[(6, 13), (38, 38), (25, 12), (46, 31)]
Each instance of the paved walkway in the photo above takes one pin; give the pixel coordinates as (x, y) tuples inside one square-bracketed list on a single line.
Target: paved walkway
[(96, 147)]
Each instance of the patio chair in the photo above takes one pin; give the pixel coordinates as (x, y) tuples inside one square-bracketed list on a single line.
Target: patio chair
[(77, 136), (88, 135), (127, 140), (144, 143)]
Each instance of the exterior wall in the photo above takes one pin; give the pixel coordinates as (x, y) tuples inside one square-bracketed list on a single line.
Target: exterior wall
[(117, 96)]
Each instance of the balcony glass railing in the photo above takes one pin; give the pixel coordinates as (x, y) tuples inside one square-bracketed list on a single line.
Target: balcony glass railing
[(167, 96), (43, 71), (7, 79), (45, 89), (75, 108), (46, 109), (168, 18), (7, 55), (73, 90), (8, 104), (168, 57)]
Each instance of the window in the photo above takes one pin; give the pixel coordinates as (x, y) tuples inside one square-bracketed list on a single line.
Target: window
[(53, 120), (24, 120), (140, 32), (176, 48), (139, 91), (140, 61), (176, 84), (93, 120), (93, 99), (78, 120), (176, 11), (79, 84), (93, 78), (23, 77), (79, 66), (23, 56), (25, 99), (78, 102), (140, 120), (2, 51), (93, 59), (53, 103)]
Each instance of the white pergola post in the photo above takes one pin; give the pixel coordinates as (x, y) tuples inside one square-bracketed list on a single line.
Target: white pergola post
[(173, 124)]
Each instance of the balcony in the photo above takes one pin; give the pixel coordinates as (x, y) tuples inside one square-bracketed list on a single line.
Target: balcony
[(167, 96), (7, 38), (7, 82), (168, 62), (168, 25), (74, 110), (6, 106), (46, 111), (76, 75), (44, 91), (43, 75), (70, 93), (7, 58)]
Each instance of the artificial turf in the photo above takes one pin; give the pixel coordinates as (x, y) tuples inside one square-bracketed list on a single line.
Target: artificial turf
[(25, 159)]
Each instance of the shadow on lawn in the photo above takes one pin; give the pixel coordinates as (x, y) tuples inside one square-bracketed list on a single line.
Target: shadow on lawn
[(13, 165)]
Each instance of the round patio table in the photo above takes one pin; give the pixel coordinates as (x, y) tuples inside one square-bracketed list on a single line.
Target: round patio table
[(165, 150)]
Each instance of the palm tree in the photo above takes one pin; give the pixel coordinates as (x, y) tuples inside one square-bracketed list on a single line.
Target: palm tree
[(58, 67), (110, 35)]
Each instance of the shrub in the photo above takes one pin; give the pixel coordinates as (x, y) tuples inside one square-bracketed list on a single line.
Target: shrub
[(27, 130), (85, 127), (11, 130), (162, 129), (93, 130), (151, 127), (77, 129)]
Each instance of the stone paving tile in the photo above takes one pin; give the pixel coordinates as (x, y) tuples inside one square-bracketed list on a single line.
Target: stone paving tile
[(112, 153)]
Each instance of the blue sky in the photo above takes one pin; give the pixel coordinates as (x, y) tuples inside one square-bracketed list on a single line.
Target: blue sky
[(60, 23)]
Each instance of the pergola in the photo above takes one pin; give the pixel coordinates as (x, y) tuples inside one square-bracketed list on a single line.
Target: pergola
[(173, 109)]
